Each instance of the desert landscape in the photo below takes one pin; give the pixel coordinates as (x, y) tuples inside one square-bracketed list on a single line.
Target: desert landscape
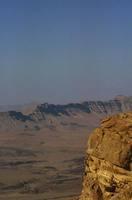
[(42, 151), (65, 100)]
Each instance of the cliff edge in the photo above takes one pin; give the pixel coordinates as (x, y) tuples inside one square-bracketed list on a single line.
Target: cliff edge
[(108, 163)]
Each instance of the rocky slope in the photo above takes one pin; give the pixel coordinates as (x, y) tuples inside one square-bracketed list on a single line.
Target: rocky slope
[(42, 115), (108, 164)]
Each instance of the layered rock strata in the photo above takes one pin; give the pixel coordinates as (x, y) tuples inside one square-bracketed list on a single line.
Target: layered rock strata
[(108, 163)]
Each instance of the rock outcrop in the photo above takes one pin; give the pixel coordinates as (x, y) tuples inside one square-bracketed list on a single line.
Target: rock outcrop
[(108, 164)]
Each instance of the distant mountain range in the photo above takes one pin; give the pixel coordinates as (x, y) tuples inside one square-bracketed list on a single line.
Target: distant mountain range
[(40, 115)]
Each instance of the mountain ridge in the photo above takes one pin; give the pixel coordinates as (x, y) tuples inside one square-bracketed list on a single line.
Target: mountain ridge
[(41, 112)]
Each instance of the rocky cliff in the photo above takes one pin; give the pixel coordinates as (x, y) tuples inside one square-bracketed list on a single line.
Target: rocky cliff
[(99, 107), (108, 164), (42, 115)]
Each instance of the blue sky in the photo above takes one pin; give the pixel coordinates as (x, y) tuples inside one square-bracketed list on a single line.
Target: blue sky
[(64, 50)]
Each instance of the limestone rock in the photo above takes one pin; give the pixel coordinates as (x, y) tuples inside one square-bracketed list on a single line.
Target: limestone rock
[(108, 163)]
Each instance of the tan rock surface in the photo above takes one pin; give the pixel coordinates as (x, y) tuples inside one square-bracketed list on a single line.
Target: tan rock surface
[(108, 164)]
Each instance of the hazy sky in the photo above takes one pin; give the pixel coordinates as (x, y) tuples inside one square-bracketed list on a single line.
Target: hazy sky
[(64, 50)]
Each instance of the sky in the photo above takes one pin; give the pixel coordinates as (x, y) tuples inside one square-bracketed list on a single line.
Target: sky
[(61, 51)]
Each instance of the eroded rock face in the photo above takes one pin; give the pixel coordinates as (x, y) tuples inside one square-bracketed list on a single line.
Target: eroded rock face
[(108, 164)]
